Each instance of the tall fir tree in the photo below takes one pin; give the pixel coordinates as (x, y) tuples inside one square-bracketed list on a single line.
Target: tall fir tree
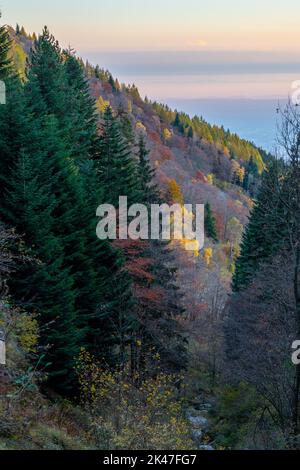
[(265, 231), (94, 264), (116, 164), (210, 223), (81, 113), (31, 200), (5, 44), (148, 189)]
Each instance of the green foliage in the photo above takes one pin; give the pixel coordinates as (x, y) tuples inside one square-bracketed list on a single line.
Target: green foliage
[(19, 58), (116, 164), (50, 191), (230, 143), (52, 438), (148, 190), (236, 412), (265, 231), (5, 45), (210, 223)]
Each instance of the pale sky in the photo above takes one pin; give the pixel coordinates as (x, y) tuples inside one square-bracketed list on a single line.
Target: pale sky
[(91, 25), (178, 48)]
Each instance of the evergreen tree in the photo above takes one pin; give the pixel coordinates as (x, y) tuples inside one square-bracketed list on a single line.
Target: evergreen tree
[(251, 177), (112, 83), (81, 113), (190, 133), (48, 80), (265, 230), (148, 190), (116, 164), (126, 126), (210, 223), (177, 123), (5, 44), (31, 200), (94, 264)]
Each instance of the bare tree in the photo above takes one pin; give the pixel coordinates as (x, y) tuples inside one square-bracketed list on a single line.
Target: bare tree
[(264, 319), (289, 138)]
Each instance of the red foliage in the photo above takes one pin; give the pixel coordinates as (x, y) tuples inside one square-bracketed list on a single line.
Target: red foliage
[(149, 295), (107, 87), (137, 269), (137, 264), (154, 136), (179, 142), (95, 87), (165, 153), (201, 177)]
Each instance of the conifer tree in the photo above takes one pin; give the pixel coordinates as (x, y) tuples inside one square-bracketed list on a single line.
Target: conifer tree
[(126, 126), (264, 232), (48, 80), (5, 44), (81, 112), (148, 190), (94, 264), (116, 165), (31, 203), (210, 223)]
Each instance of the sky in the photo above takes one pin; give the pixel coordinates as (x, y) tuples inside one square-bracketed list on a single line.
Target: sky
[(271, 25), (178, 49)]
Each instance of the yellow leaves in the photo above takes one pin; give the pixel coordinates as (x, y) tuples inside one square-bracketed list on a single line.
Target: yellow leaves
[(28, 332), (191, 245), (176, 196), (175, 193), (167, 134), (238, 171), (210, 179), (102, 104), (208, 254), (139, 343), (140, 126), (129, 107), (134, 412)]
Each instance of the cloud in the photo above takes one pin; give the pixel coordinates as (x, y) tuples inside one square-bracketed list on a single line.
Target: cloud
[(197, 43)]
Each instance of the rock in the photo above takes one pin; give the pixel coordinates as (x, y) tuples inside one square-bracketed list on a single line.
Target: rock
[(197, 434), (206, 406), (206, 447), (204, 413), (198, 421)]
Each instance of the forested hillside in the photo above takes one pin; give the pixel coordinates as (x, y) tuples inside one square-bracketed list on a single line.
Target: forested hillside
[(120, 345)]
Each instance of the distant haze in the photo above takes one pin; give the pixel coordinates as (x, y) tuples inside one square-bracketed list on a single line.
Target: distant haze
[(239, 91), (229, 61)]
